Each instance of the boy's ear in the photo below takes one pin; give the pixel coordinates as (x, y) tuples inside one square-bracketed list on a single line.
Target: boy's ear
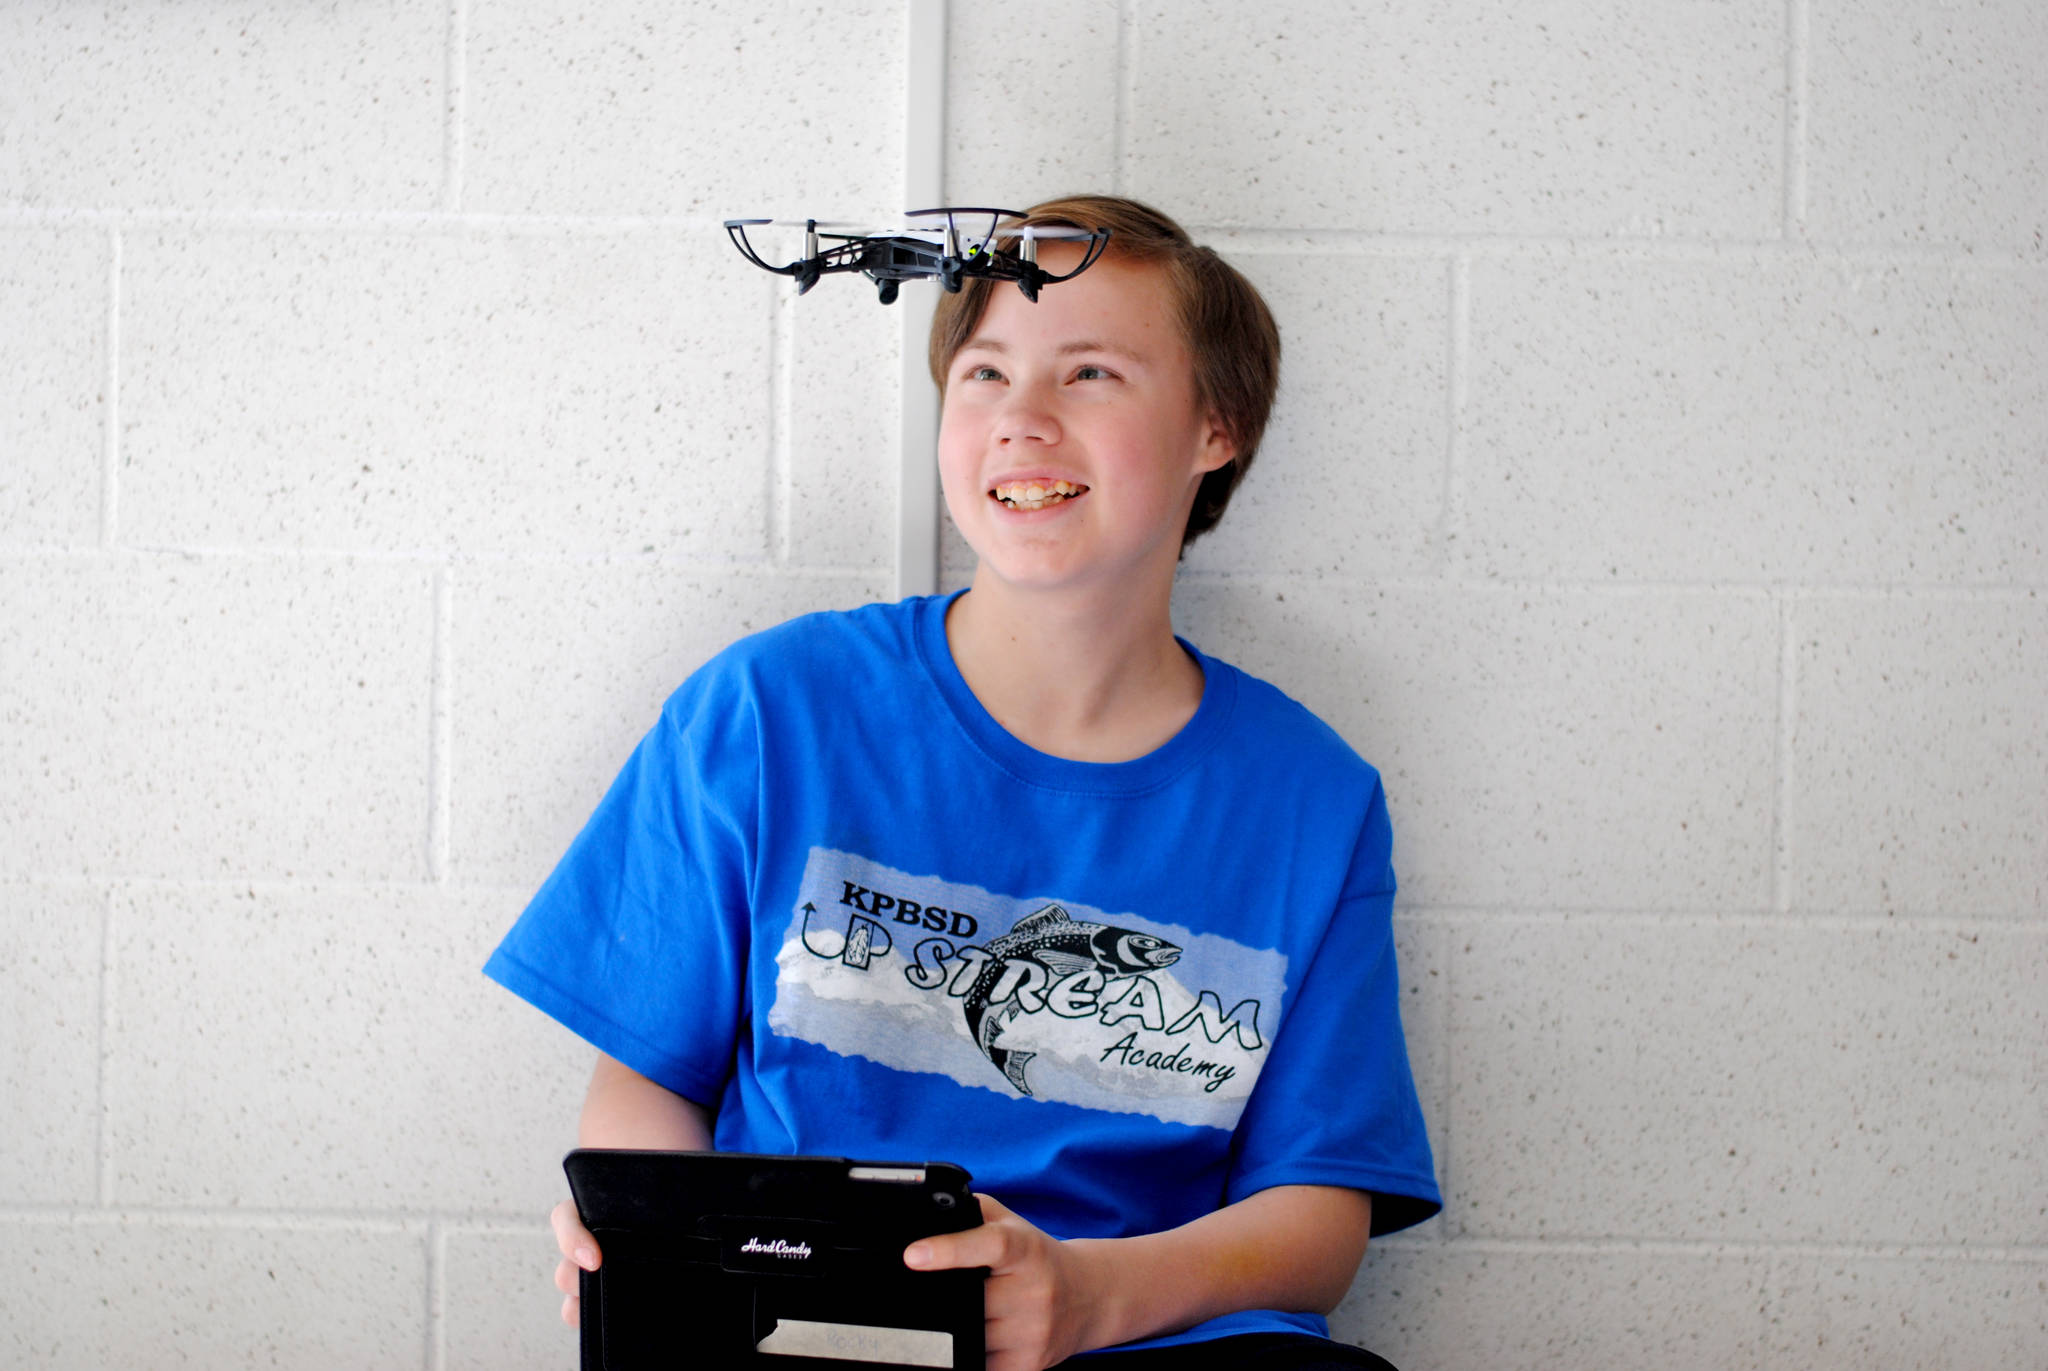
[(1219, 449)]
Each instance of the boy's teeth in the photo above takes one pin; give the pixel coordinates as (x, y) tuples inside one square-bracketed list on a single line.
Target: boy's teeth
[(1035, 494)]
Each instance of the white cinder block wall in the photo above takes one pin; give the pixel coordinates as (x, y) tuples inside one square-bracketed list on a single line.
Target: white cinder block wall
[(1659, 496)]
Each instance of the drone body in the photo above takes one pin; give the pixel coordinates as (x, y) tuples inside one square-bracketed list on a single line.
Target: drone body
[(945, 254)]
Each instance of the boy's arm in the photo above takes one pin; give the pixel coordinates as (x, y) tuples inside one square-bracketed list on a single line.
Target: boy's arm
[(622, 1109), (1292, 1247)]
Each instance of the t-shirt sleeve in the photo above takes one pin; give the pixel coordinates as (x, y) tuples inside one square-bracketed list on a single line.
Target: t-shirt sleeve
[(1335, 1103), (637, 942)]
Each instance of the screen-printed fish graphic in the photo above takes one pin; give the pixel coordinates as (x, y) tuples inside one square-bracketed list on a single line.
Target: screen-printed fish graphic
[(1062, 945)]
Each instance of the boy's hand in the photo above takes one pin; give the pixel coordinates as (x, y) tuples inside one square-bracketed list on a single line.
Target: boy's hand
[(1036, 1304), (622, 1109), (579, 1253)]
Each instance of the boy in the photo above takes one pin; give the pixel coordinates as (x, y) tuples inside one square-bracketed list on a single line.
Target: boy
[(1016, 878)]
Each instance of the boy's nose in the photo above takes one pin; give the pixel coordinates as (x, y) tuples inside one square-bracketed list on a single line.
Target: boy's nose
[(1026, 417)]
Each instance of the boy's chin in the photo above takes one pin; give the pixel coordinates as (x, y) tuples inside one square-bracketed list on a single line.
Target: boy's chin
[(1053, 572)]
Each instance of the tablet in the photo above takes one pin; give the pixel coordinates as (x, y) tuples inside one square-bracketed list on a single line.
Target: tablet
[(706, 1253)]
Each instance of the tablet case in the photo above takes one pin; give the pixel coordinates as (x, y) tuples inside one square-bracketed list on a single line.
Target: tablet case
[(703, 1252)]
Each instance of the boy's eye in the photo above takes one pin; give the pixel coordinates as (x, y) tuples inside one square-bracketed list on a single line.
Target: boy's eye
[(1090, 373)]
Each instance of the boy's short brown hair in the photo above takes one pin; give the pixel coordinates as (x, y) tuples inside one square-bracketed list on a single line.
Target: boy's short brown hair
[(1230, 334)]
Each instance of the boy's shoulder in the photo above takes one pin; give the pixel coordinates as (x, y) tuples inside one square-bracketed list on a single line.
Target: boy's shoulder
[(821, 649), (824, 637), (1287, 735)]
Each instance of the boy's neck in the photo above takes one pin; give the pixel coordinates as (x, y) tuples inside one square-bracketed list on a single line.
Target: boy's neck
[(1089, 677)]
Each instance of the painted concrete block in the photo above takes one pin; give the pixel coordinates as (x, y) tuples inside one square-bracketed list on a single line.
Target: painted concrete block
[(1748, 1080), (841, 488), (559, 671), (1760, 421), (1350, 478), (503, 1311), (223, 106), (1544, 748), (507, 395), (1838, 1313), (715, 110), (330, 1048), (1031, 100), (136, 1290), (50, 1043), (1560, 117), (53, 350), (233, 718), (1926, 124), (1531, 1308), (1920, 755)]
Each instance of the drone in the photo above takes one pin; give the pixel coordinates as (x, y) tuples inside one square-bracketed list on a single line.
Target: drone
[(1001, 253)]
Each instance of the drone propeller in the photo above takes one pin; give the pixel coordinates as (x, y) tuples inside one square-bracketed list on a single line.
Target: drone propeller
[(950, 210), (795, 223), (1000, 231), (1045, 231)]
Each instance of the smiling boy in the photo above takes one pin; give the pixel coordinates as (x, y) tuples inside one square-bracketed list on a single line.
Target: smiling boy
[(1019, 879)]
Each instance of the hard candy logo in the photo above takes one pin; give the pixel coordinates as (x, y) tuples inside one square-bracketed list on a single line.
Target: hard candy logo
[(776, 1247)]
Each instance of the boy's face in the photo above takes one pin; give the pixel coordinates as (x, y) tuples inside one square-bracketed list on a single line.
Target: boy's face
[(1092, 387)]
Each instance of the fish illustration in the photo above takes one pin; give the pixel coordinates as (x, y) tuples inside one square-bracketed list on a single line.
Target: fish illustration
[(1062, 945)]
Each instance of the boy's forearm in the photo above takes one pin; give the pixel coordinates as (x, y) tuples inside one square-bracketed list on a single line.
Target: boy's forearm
[(624, 1109), (1294, 1247)]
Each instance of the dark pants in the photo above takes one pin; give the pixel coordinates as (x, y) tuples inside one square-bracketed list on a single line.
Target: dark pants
[(1246, 1352)]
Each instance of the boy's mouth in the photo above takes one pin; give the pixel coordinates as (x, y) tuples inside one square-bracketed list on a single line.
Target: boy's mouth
[(1028, 495)]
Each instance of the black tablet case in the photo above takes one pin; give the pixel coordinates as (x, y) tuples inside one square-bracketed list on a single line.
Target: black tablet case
[(704, 1251)]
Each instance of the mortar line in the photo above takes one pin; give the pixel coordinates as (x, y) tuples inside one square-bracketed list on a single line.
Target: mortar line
[(913, 546), (1781, 816), (260, 1219), (1457, 346), (1762, 920), (1324, 241), (1593, 1245), (1303, 240), (1972, 593), (437, 1296), (441, 729), (1120, 117), (1798, 38), (455, 125), (280, 885), (196, 552), (110, 409), (781, 418), (1515, 585), (1447, 1175), (103, 1162), (420, 1221), (1772, 1266)]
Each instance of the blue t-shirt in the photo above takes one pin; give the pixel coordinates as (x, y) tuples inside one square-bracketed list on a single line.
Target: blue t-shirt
[(830, 897)]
